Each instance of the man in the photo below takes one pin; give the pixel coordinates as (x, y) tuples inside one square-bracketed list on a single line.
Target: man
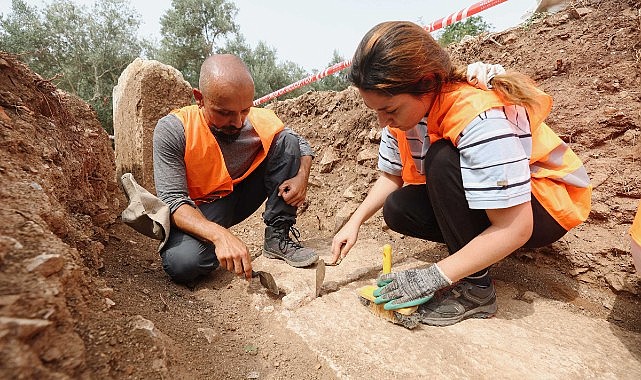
[(215, 163)]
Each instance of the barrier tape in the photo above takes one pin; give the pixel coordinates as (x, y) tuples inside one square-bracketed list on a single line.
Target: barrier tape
[(441, 23)]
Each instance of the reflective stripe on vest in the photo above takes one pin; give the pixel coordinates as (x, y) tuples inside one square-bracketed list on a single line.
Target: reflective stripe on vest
[(559, 179), (207, 175)]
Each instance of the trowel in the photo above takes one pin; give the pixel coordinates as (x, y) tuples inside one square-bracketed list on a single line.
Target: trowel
[(267, 280), (320, 276)]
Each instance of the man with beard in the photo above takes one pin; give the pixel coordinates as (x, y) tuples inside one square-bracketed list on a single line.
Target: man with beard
[(215, 163)]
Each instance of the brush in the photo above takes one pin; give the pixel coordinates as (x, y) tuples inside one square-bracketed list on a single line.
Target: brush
[(405, 317)]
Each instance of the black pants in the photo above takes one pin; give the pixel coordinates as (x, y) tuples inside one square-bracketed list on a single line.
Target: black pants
[(439, 211), (186, 258)]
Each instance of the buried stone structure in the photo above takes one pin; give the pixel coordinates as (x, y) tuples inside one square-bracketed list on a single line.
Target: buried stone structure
[(146, 91)]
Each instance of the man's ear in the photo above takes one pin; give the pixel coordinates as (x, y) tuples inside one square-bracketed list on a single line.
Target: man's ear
[(198, 95)]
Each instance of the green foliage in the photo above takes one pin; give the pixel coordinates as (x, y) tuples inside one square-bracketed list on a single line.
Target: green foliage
[(472, 26), (269, 75), (23, 32), (190, 30), (83, 51), (533, 18), (335, 82)]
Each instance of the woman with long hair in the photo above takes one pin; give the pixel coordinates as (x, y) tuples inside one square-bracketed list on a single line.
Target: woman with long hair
[(476, 169)]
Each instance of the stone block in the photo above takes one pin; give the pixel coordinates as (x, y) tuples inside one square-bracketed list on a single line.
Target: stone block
[(146, 91)]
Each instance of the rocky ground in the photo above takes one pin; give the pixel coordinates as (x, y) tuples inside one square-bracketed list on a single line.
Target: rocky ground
[(82, 296)]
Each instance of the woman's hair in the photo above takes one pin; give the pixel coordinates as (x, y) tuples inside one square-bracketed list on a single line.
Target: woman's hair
[(399, 57)]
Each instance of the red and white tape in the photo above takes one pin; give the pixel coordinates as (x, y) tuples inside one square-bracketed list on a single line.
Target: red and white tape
[(438, 24)]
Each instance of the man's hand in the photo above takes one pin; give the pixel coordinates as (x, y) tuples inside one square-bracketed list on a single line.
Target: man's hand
[(233, 254), (294, 190)]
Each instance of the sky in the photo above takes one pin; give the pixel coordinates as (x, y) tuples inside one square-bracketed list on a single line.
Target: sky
[(308, 32)]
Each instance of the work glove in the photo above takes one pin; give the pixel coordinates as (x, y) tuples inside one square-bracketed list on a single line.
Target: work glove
[(410, 287), (480, 74)]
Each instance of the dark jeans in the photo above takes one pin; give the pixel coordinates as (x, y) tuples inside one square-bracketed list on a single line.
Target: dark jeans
[(439, 211), (185, 258)]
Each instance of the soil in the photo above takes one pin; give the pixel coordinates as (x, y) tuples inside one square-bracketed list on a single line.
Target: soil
[(83, 296)]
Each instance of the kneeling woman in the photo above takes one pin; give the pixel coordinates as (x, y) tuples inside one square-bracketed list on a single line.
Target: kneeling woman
[(477, 170)]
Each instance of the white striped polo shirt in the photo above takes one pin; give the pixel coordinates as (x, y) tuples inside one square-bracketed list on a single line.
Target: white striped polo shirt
[(495, 151)]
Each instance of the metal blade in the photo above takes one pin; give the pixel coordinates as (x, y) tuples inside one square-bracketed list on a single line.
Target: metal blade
[(320, 276), (267, 280)]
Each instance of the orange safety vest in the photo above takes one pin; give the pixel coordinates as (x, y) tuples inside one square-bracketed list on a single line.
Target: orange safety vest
[(207, 175), (552, 163), (635, 230)]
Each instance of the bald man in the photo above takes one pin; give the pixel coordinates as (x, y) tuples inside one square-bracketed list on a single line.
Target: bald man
[(215, 163)]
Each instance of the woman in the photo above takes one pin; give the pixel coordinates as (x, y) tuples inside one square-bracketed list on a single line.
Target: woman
[(477, 170)]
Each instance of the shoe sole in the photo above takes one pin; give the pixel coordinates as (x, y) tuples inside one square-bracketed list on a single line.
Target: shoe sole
[(295, 264), (481, 312)]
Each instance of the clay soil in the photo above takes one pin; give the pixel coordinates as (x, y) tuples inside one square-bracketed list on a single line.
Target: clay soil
[(83, 296)]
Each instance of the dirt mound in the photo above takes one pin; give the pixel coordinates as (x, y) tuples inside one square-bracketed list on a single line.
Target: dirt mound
[(57, 187), (62, 261)]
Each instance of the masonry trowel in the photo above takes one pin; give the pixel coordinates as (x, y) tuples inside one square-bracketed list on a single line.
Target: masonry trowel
[(267, 280)]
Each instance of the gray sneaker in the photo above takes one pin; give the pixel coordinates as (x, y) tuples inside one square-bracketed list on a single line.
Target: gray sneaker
[(462, 301), (279, 245)]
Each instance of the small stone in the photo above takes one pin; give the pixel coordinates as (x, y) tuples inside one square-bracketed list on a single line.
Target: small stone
[(253, 375), (349, 193), (374, 135), (583, 11), (616, 281), (366, 155), (330, 287), (251, 349), (529, 296), (22, 328), (46, 264), (600, 211), (106, 291), (328, 160), (577, 271), (210, 334), (52, 354)]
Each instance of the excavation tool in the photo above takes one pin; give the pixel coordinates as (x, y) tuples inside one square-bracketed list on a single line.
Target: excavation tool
[(405, 316), (320, 276), (267, 280)]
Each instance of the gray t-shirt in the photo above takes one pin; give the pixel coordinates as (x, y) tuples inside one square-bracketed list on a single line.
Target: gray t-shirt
[(169, 157)]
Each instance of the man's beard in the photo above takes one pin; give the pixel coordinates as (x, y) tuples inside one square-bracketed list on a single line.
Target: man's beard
[(226, 134)]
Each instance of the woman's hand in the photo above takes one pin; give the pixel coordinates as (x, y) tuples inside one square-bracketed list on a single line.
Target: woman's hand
[(410, 287), (347, 236), (344, 240)]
